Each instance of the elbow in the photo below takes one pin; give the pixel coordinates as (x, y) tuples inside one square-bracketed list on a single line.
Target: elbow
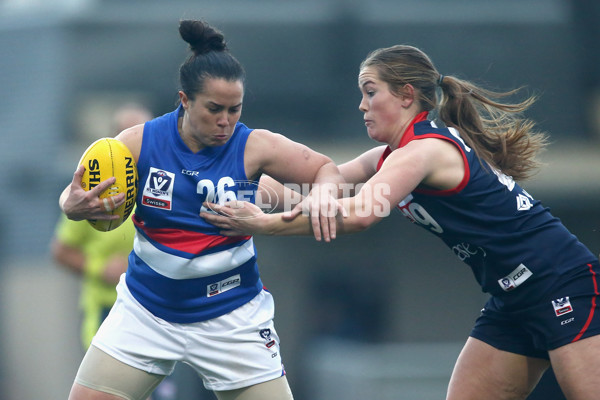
[(364, 214), (368, 221), (329, 172)]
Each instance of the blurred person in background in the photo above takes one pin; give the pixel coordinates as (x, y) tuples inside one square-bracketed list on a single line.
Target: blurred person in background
[(100, 258), (190, 294), (459, 183)]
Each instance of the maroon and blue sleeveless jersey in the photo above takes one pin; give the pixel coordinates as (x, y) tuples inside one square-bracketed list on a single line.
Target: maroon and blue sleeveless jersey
[(181, 269), (503, 233)]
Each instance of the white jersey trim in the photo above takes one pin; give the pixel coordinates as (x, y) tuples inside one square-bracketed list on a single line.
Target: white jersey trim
[(175, 267)]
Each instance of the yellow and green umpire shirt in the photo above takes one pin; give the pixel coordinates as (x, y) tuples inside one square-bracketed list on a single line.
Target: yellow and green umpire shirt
[(97, 297)]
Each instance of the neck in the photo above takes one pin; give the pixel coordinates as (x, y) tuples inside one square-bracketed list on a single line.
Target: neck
[(188, 140), (404, 125)]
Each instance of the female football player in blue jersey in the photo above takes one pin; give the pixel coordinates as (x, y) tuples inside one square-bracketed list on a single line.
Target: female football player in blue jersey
[(189, 293), (458, 182)]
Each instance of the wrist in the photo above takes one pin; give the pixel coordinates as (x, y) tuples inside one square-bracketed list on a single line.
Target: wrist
[(268, 224)]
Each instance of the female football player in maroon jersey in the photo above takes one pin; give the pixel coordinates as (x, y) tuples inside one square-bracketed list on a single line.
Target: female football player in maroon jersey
[(458, 181)]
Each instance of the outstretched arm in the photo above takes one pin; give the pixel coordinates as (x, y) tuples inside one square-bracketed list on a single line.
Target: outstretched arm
[(433, 162), (243, 218)]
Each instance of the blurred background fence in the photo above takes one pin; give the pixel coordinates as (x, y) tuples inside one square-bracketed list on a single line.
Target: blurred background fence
[(341, 307)]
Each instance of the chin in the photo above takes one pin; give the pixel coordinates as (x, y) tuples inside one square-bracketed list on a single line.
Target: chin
[(373, 135)]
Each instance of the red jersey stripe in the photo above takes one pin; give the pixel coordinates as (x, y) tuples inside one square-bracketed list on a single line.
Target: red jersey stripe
[(187, 241), (591, 314)]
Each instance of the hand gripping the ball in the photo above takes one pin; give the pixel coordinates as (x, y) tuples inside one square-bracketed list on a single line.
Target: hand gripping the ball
[(78, 204), (104, 188)]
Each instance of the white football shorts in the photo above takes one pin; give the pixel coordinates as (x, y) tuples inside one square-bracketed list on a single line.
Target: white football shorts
[(233, 351)]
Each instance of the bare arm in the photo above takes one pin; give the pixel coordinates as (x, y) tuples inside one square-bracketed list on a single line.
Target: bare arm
[(433, 162), (67, 256), (73, 259), (289, 162), (362, 168), (132, 137), (275, 196)]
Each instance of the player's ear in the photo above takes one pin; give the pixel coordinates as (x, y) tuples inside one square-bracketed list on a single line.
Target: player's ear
[(407, 95), (183, 99)]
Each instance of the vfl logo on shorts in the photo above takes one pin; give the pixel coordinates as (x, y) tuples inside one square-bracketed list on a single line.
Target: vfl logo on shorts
[(226, 284), (266, 334), (562, 306), (515, 278)]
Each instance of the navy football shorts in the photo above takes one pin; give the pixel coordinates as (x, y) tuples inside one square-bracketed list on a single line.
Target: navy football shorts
[(569, 312)]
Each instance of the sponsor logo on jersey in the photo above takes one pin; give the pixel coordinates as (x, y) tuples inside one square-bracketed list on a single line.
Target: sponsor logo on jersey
[(567, 321), (562, 306), (158, 190), (515, 278), (466, 250), (222, 286), (190, 173)]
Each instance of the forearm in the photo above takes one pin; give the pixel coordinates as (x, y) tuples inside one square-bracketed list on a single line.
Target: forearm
[(357, 220), (243, 218), (275, 225), (277, 196), (68, 257)]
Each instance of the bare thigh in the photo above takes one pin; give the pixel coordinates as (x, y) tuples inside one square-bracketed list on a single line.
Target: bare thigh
[(276, 389), (83, 392), (484, 372), (577, 368), (102, 377)]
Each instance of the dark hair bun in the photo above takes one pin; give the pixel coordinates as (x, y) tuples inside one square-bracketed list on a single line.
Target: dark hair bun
[(201, 37)]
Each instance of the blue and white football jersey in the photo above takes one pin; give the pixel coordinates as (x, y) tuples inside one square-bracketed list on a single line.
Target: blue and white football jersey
[(181, 269)]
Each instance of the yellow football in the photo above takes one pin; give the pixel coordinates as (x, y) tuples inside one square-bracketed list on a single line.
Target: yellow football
[(105, 158)]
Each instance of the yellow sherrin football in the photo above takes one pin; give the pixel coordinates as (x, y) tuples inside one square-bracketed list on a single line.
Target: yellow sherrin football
[(105, 158)]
